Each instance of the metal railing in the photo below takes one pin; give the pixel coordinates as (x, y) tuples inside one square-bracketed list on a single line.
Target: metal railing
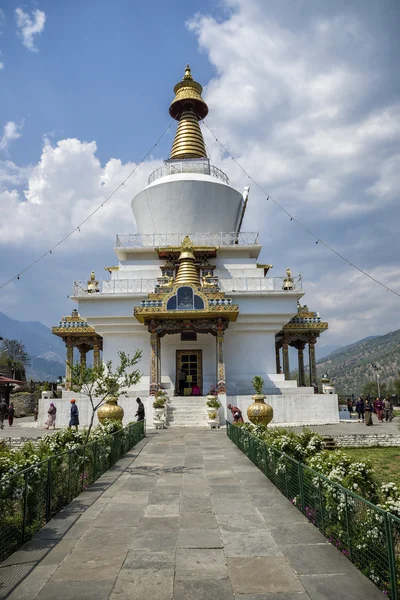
[(157, 240), (202, 167), (30, 498), (367, 535), (146, 286)]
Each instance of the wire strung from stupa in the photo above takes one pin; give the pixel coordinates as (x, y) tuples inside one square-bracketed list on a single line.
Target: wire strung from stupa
[(77, 228), (293, 218)]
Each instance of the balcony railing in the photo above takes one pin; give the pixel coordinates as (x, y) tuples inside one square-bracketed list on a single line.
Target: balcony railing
[(146, 286), (202, 167), (161, 240)]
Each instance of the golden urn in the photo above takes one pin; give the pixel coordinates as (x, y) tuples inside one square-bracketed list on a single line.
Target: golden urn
[(260, 413), (110, 410)]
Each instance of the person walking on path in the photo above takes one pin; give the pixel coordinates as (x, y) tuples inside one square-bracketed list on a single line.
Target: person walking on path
[(368, 413), (360, 408), (11, 412), (378, 405), (387, 409), (236, 413), (181, 380), (74, 420), (140, 413), (51, 419), (349, 406), (3, 412)]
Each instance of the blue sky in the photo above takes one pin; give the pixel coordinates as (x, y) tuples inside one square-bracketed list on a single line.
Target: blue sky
[(304, 93)]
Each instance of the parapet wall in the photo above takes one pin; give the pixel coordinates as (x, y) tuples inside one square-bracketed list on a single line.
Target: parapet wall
[(354, 440)]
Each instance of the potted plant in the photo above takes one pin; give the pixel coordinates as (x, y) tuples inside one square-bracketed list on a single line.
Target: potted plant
[(159, 406), (212, 402), (259, 412), (213, 420)]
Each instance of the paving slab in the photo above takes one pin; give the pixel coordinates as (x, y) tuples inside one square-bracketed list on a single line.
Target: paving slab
[(340, 587), (199, 520), (199, 564), (262, 574), (254, 543), (137, 584), (75, 590), (199, 538), (201, 589)]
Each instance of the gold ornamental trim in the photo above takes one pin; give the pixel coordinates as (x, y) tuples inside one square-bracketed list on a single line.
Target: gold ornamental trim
[(144, 314), (66, 331), (305, 326)]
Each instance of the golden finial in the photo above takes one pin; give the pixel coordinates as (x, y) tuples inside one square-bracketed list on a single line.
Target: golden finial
[(187, 272), (188, 107), (188, 73)]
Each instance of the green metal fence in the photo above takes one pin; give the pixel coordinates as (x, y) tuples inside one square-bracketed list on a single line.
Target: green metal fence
[(30, 498), (366, 534)]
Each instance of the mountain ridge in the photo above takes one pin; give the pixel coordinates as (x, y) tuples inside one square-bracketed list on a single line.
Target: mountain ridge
[(351, 366)]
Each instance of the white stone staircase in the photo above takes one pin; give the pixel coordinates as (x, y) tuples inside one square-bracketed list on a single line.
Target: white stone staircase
[(187, 411)]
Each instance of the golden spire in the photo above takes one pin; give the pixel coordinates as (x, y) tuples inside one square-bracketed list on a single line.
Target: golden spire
[(187, 272), (188, 107)]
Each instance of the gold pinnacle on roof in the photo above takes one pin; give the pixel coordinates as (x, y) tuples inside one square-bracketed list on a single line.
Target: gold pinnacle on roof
[(188, 107), (187, 272)]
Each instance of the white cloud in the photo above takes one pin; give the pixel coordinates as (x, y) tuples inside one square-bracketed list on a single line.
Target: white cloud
[(61, 190), (1, 65), (29, 26), (10, 133)]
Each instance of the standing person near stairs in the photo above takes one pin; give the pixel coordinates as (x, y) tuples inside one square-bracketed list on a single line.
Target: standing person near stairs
[(3, 412), (182, 381)]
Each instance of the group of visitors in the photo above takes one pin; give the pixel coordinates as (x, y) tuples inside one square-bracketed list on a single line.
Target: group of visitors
[(365, 409), (6, 412)]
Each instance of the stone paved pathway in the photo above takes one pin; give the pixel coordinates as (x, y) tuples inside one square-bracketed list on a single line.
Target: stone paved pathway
[(185, 516)]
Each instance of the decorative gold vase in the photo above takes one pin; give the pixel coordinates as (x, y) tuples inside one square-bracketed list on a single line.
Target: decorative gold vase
[(260, 413), (110, 410)]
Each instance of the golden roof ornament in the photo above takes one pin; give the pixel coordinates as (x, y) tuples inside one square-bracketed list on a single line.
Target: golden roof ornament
[(288, 282), (187, 272), (188, 107)]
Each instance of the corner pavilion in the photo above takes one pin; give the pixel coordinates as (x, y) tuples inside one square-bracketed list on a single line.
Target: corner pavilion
[(189, 292)]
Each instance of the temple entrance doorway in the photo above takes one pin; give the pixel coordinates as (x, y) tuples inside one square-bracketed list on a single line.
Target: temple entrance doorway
[(191, 363)]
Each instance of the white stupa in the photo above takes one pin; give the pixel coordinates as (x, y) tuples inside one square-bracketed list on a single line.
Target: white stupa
[(189, 293)]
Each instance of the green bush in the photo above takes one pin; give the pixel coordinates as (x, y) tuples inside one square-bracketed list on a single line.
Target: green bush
[(213, 403)]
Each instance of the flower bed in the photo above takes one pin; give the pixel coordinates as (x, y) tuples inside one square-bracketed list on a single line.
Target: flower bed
[(37, 481), (327, 487)]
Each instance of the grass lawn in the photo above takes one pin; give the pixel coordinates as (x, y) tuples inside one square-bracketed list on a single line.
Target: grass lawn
[(385, 462)]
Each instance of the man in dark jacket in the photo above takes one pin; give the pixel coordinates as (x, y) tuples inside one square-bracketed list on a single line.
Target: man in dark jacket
[(3, 412), (140, 411), (74, 420)]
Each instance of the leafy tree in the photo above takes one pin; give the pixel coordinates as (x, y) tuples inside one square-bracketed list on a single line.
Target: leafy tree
[(370, 388), (14, 357), (396, 385), (15, 351), (101, 383)]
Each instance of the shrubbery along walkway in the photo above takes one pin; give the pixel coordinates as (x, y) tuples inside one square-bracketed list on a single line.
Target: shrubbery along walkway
[(185, 515)]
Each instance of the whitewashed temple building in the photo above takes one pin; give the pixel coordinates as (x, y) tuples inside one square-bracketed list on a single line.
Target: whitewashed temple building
[(188, 291)]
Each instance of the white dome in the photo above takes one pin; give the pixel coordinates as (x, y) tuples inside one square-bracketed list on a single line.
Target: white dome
[(187, 202)]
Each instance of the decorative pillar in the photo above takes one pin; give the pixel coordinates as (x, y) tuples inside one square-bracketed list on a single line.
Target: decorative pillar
[(83, 350), (96, 352), (285, 356), (313, 365), (221, 383), (158, 362), (278, 359), (70, 361), (300, 354), (153, 363)]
